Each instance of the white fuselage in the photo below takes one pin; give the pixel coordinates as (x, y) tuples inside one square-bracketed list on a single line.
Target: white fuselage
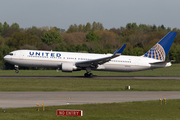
[(54, 59)]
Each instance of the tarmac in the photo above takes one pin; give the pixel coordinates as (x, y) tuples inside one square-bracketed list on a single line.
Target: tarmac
[(29, 99), (99, 77)]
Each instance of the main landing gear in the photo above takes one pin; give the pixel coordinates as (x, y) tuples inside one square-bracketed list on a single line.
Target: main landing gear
[(16, 68), (88, 74)]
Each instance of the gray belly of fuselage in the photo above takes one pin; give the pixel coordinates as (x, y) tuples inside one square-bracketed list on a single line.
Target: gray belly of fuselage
[(123, 68)]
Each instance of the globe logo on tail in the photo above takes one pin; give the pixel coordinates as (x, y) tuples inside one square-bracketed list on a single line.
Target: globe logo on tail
[(157, 52)]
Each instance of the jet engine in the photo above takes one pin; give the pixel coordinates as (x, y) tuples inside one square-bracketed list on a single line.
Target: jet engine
[(68, 67)]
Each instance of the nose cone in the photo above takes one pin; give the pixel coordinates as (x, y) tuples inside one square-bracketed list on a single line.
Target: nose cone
[(7, 58)]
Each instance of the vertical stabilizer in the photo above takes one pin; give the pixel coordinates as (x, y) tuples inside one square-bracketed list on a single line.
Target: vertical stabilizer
[(161, 49)]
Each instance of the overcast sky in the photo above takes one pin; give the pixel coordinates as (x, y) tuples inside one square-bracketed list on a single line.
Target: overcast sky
[(111, 13)]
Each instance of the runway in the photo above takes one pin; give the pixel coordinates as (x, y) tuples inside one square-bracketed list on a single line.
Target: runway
[(99, 77), (29, 99)]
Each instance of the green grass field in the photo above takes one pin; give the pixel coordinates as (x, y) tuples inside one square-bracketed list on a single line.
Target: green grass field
[(86, 85), (112, 111), (174, 70), (91, 84), (149, 110)]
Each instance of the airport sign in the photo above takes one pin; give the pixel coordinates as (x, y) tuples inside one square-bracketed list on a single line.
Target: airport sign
[(64, 112)]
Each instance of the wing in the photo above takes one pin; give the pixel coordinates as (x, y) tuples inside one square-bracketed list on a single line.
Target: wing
[(94, 63)]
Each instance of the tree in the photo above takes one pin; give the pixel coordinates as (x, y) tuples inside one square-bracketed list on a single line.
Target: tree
[(138, 51), (80, 28), (60, 47), (75, 28), (94, 26), (128, 26), (116, 31), (100, 26), (131, 26), (162, 26), (51, 37), (28, 47), (57, 29), (142, 26), (70, 29), (45, 47), (88, 27), (154, 28), (19, 39), (35, 31), (139, 45), (15, 26), (134, 26), (81, 48), (62, 30), (108, 40), (10, 30), (5, 26), (91, 36), (74, 38), (4, 51), (84, 28), (1, 28)]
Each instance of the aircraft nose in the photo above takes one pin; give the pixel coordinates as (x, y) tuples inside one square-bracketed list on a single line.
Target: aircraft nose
[(5, 58)]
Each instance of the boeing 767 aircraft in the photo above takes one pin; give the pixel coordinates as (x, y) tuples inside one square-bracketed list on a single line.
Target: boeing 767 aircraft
[(71, 61)]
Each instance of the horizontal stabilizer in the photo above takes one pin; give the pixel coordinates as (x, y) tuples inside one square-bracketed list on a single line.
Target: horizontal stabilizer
[(161, 62)]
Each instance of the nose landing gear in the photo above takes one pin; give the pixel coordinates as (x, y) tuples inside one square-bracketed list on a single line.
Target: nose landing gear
[(16, 68)]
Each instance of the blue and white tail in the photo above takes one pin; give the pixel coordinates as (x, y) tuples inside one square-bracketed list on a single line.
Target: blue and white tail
[(161, 49)]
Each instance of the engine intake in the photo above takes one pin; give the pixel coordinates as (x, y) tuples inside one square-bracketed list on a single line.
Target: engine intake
[(67, 67)]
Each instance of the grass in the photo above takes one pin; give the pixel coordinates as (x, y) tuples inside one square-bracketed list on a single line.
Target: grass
[(169, 71), (112, 111), (28, 84)]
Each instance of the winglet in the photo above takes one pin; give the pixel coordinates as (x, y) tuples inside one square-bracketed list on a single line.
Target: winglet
[(119, 51)]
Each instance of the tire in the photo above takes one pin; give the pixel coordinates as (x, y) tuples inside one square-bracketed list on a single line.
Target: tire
[(86, 75), (90, 75)]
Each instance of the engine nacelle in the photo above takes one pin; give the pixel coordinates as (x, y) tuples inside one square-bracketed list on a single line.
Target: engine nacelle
[(67, 67)]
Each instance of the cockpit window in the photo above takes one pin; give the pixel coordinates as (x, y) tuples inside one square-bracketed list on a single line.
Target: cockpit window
[(11, 54)]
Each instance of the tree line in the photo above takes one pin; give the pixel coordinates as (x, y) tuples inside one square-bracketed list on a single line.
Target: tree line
[(89, 38)]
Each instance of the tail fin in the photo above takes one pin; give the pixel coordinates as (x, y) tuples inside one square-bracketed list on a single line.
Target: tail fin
[(161, 49)]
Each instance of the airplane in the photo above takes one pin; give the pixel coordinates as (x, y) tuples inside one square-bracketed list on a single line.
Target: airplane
[(72, 61)]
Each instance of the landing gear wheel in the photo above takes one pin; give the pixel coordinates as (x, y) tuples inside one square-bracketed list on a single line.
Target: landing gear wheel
[(16, 68), (88, 75), (17, 71)]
